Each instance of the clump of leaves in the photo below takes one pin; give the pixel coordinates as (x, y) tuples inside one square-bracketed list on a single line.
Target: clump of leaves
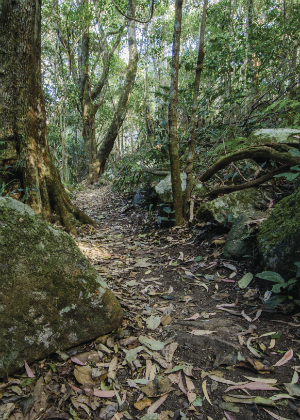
[(281, 289)]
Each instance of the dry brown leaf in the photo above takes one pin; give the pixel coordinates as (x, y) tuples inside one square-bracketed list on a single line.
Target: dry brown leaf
[(256, 386), (181, 385), (157, 404), (153, 372), (145, 402), (113, 366), (288, 356), (157, 387), (148, 368), (204, 388), (166, 320), (169, 350), (201, 332), (159, 359), (83, 374), (166, 415), (193, 317)]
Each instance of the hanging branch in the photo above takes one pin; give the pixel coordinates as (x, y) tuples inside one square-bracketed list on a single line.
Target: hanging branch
[(134, 18)]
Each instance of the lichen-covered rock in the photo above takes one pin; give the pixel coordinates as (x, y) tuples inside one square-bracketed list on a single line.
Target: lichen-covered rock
[(274, 135), (240, 240), (230, 206), (164, 188), (51, 298), (279, 237)]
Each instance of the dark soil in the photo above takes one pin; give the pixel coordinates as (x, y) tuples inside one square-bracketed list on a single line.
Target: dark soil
[(163, 277)]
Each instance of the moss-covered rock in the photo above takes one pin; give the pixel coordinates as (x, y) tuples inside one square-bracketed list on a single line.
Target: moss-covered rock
[(51, 298), (274, 135), (230, 206), (279, 237)]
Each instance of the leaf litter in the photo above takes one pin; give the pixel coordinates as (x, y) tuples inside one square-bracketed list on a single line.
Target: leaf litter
[(162, 363)]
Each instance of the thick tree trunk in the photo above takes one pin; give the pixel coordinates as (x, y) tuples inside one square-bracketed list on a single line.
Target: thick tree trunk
[(172, 118), (120, 113), (27, 169)]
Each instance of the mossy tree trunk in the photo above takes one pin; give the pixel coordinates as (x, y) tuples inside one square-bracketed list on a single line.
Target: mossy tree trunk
[(27, 168)]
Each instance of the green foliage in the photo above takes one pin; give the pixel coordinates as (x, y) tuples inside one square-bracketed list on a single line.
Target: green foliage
[(281, 289)]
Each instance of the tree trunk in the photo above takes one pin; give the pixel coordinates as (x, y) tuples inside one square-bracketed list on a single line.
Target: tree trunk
[(28, 172), (190, 160), (172, 117), (120, 113)]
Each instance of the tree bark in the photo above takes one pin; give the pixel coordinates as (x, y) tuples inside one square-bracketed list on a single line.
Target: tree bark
[(277, 153), (172, 118), (120, 113), (27, 168), (191, 153)]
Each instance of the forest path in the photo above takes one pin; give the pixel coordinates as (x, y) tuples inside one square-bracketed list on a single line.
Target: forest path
[(206, 329), (193, 344)]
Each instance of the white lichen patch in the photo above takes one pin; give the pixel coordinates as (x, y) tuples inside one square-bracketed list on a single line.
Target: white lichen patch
[(45, 337), (67, 309)]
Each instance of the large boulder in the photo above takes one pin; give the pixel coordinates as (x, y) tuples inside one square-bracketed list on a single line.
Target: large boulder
[(51, 298), (279, 237), (230, 206), (164, 188), (274, 135)]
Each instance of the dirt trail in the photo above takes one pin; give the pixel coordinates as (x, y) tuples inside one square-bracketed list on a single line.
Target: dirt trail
[(189, 333)]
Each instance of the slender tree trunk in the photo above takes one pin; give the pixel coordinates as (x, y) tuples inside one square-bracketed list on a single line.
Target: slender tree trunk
[(26, 163), (172, 117), (119, 116), (191, 153)]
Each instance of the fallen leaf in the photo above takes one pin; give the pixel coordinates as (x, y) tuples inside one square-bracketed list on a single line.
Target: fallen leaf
[(253, 351), (246, 316), (169, 350), (245, 280), (157, 404), (275, 416), (142, 263), (223, 380), (142, 404), (293, 389), (193, 317), (151, 343), (166, 320), (112, 369), (77, 361), (157, 387), (153, 322), (229, 416), (202, 332), (103, 394), (264, 380), (204, 388), (29, 372), (288, 356), (256, 386), (245, 399)]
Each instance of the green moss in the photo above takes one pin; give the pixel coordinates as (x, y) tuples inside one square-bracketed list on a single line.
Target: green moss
[(279, 236)]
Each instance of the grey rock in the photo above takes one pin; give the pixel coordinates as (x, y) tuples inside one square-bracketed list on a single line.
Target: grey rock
[(164, 188), (274, 135), (240, 240), (51, 298)]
